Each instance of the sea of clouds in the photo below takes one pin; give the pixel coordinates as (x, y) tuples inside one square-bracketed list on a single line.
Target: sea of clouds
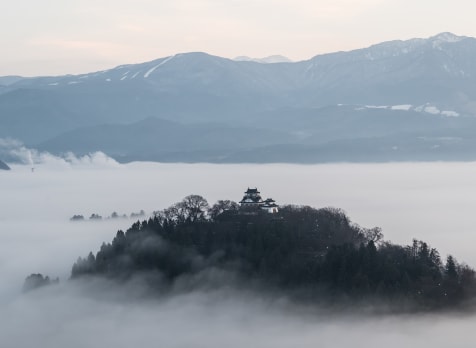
[(434, 202)]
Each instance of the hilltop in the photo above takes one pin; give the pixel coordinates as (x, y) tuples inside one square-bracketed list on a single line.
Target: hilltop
[(315, 255)]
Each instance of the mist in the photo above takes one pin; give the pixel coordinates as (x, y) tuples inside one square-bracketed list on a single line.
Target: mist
[(433, 202), (66, 317)]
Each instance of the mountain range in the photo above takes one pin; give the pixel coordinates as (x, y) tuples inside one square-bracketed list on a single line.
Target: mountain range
[(397, 100)]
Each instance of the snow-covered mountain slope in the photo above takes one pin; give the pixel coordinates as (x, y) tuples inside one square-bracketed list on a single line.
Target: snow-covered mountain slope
[(390, 87), (438, 70)]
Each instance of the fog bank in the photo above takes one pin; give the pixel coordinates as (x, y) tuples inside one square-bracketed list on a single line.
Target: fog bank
[(65, 317), (429, 201)]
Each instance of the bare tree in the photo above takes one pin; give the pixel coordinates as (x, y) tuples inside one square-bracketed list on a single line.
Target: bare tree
[(221, 206), (193, 208), (373, 234)]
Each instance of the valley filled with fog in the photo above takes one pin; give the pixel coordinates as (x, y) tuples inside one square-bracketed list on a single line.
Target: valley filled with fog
[(434, 202)]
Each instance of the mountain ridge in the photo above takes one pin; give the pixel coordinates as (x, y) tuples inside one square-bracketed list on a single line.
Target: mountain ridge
[(303, 100), (435, 40)]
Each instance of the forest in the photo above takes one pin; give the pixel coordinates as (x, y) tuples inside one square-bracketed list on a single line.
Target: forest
[(310, 254)]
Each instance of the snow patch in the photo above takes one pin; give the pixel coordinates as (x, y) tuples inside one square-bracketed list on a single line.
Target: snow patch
[(108, 80), (376, 106), (134, 76), (427, 108), (450, 113), (404, 107), (432, 110), (440, 39), (448, 37), (73, 82), (147, 74), (53, 84), (266, 60)]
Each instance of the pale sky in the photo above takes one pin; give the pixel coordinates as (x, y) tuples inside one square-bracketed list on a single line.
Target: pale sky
[(52, 37)]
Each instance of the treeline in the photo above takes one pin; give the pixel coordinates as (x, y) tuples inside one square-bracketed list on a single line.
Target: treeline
[(319, 250), (37, 280), (114, 215)]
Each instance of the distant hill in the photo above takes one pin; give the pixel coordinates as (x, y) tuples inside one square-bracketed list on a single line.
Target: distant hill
[(316, 136), (314, 255), (419, 91), (166, 141), (9, 80), (4, 166)]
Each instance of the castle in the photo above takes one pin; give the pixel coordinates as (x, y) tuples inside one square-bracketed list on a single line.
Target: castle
[(252, 199)]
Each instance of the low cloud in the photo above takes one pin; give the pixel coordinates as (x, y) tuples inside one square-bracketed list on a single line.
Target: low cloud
[(427, 201), (100, 315), (14, 151)]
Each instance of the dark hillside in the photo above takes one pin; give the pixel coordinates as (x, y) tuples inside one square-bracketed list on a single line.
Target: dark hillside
[(4, 166), (298, 248)]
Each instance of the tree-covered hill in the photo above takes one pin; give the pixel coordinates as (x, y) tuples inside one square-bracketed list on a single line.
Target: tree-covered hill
[(299, 248)]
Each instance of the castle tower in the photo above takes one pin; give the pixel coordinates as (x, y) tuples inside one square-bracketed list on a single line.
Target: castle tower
[(251, 198)]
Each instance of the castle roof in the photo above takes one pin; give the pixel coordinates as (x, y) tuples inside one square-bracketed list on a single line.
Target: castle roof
[(269, 203), (252, 196), (251, 199)]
